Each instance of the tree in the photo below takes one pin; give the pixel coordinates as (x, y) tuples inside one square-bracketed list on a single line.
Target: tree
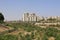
[(1, 18)]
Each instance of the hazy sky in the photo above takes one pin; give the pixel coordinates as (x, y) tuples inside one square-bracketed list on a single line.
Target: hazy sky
[(14, 9)]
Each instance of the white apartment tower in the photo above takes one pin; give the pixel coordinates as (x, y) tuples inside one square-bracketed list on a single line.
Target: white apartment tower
[(25, 16), (29, 17)]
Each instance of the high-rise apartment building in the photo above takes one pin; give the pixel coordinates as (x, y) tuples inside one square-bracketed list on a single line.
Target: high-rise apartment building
[(25, 16), (31, 17)]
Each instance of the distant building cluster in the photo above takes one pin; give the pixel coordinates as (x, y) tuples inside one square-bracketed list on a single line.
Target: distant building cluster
[(30, 17), (34, 17)]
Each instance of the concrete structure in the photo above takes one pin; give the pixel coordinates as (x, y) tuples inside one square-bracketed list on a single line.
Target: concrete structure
[(31, 17), (34, 17), (39, 18), (25, 17), (54, 17)]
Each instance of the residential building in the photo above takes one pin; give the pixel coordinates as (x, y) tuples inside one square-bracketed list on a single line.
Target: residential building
[(31, 17)]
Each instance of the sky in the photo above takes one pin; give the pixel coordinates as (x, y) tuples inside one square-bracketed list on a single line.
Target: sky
[(14, 9)]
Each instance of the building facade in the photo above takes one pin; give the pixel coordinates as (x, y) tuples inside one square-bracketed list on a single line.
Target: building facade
[(29, 17)]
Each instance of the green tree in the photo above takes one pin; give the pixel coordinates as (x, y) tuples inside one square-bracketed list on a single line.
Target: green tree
[(1, 18)]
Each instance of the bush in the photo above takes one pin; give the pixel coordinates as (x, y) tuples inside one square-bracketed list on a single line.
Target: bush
[(51, 32), (8, 37)]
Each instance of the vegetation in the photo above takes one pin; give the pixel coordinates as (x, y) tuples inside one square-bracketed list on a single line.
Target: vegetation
[(29, 32), (8, 37), (1, 18)]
